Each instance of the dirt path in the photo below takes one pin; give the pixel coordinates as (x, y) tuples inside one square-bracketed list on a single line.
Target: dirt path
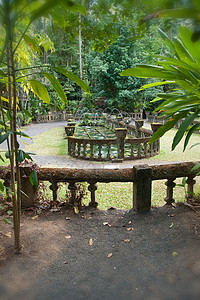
[(103, 255), (107, 255)]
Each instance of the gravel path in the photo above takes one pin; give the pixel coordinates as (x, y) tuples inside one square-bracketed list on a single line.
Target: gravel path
[(58, 161)]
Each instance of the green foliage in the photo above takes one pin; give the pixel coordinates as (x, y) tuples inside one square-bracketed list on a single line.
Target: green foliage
[(126, 52), (182, 67), (33, 178), (15, 24)]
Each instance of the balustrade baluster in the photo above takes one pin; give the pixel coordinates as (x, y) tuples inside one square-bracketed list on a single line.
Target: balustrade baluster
[(145, 149), (91, 150), (190, 188), (69, 147), (170, 185), (151, 149), (84, 149), (139, 151), (54, 188), (79, 149), (92, 188), (108, 152), (73, 189), (99, 155)]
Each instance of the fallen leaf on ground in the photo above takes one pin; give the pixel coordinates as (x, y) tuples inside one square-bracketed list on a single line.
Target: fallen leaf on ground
[(174, 253), (106, 224), (84, 216), (8, 234), (55, 209), (90, 242), (127, 241), (110, 255), (68, 218), (35, 217), (129, 228), (171, 215), (68, 236), (171, 225), (76, 210)]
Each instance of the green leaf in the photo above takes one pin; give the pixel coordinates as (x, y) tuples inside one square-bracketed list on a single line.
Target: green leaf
[(166, 127), (58, 88), (2, 73), (42, 10), (193, 48), (4, 99), (148, 71), (7, 155), (182, 129), (34, 179), (74, 78), (1, 158), (197, 144), (7, 221), (167, 41), (20, 133), (73, 7), (27, 155), (149, 85), (9, 115), (196, 167), (169, 61), (32, 43), (20, 156), (1, 186), (180, 13), (190, 132), (27, 113), (4, 137), (40, 90), (183, 53)]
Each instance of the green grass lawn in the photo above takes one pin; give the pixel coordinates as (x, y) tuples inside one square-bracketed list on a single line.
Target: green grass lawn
[(51, 142), (119, 195)]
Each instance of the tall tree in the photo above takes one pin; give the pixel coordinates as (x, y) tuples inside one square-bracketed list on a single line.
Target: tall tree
[(15, 23)]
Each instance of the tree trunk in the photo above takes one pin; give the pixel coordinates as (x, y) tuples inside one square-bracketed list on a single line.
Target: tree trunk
[(12, 93), (44, 29), (80, 53)]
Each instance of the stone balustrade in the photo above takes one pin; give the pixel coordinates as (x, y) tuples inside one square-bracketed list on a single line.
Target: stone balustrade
[(51, 117), (141, 176), (100, 150), (136, 146)]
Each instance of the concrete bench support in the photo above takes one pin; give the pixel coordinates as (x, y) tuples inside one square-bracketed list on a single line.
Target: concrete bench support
[(142, 188)]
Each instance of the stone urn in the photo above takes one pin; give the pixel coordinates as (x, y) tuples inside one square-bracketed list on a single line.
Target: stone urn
[(139, 124), (71, 123), (155, 126), (119, 118), (70, 130), (121, 133)]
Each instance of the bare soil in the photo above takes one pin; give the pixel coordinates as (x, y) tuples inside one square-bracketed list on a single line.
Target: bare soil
[(111, 254)]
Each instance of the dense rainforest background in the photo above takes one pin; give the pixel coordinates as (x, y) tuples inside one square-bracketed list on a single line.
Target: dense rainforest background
[(95, 45)]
